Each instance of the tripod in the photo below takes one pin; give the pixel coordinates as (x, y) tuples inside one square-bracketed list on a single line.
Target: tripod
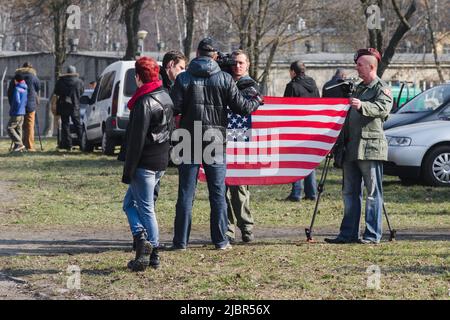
[(38, 130), (320, 189)]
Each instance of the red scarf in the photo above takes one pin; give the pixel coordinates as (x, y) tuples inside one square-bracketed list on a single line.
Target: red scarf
[(143, 90)]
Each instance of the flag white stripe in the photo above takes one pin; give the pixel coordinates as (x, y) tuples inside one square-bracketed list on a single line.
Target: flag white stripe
[(267, 172), (280, 143)]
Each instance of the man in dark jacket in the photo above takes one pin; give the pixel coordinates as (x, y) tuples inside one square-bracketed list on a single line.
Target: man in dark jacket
[(69, 88), (302, 86), (174, 62), (336, 92), (29, 75), (202, 95)]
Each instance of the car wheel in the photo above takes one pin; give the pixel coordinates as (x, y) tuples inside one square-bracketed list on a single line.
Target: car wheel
[(108, 145), (436, 167), (85, 145)]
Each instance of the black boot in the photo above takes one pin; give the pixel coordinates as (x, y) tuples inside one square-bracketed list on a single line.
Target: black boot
[(154, 259), (143, 252)]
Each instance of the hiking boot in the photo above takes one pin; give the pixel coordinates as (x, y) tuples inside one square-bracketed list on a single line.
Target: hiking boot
[(248, 237), (154, 259), (143, 252)]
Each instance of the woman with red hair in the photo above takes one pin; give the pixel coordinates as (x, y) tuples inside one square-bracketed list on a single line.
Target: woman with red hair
[(146, 159)]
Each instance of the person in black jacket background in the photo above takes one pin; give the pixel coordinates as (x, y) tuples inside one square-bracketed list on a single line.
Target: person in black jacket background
[(336, 92), (201, 95), (69, 89), (302, 86), (146, 158)]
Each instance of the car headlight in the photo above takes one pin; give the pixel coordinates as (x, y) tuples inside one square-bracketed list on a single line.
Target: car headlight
[(399, 141)]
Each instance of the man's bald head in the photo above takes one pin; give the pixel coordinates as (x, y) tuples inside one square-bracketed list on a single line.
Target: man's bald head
[(371, 60), (367, 68)]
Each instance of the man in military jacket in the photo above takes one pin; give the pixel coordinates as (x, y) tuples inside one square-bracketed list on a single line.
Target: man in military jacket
[(365, 151)]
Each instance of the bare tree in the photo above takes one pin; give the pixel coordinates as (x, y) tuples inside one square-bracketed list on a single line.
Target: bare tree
[(265, 26), (433, 41), (190, 16), (130, 12)]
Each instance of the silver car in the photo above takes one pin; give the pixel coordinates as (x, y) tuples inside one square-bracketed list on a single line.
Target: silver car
[(420, 151)]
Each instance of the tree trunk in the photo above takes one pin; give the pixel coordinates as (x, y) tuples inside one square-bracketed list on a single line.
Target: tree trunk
[(401, 30), (190, 9), (131, 12), (265, 75), (433, 43), (59, 23)]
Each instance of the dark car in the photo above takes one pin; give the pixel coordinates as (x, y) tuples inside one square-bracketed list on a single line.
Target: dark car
[(426, 106), (73, 134)]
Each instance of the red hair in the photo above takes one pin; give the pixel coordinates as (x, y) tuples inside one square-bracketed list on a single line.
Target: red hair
[(147, 69)]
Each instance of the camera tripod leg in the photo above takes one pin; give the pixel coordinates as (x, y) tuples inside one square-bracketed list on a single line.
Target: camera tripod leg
[(392, 232), (38, 130), (320, 188)]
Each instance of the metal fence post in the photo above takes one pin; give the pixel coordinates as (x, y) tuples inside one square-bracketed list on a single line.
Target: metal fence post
[(1, 102)]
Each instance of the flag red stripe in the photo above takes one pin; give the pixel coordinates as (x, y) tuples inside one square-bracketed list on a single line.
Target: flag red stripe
[(306, 101), (296, 137), (293, 113), (261, 180), (274, 165), (307, 124), (279, 150)]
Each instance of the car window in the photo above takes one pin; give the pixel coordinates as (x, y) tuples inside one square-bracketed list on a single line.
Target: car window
[(428, 100), (106, 86), (446, 112), (130, 83)]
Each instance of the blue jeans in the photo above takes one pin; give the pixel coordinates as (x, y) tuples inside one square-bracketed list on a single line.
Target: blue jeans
[(310, 186), (139, 206), (215, 176), (357, 174)]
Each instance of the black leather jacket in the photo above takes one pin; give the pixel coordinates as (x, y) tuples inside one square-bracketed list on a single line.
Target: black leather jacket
[(148, 134), (202, 94)]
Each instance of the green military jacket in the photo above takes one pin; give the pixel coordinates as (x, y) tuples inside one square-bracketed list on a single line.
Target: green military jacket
[(363, 131)]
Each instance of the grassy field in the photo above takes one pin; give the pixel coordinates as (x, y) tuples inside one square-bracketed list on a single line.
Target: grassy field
[(76, 191)]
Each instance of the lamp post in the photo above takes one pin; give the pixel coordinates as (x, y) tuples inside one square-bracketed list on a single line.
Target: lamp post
[(141, 36)]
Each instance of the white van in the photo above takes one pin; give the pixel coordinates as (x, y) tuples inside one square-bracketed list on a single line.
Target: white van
[(107, 115)]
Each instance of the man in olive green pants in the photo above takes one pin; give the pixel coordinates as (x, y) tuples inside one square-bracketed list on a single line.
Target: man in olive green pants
[(238, 197)]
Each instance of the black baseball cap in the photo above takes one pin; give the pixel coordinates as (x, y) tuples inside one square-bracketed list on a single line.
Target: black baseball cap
[(208, 44)]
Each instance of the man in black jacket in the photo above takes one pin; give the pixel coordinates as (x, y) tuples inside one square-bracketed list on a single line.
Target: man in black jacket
[(69, 89), (202, 95), (302, 86), (335, 92)]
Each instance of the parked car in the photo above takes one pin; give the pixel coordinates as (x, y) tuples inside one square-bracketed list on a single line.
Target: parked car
[(83, 106), (107, 114), (421, 151), (426, 106), (402, 93)]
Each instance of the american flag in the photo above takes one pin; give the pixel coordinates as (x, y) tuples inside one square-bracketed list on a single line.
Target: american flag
[(283, 141)]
